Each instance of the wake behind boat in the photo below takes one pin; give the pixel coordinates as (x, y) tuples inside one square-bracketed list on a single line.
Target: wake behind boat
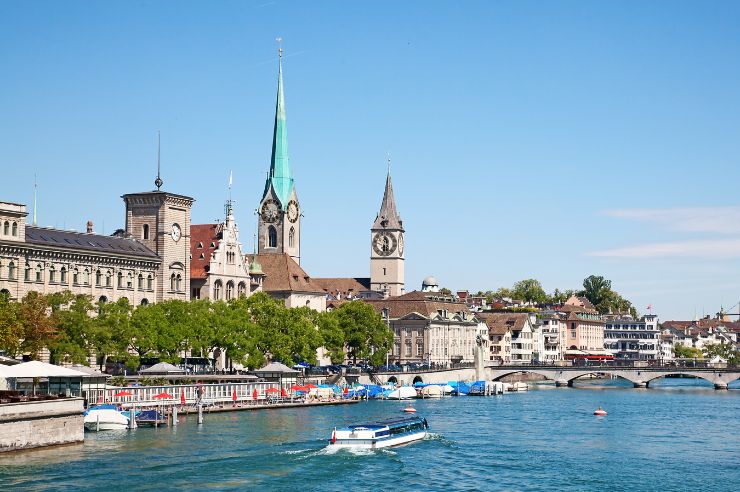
[(381, 434)]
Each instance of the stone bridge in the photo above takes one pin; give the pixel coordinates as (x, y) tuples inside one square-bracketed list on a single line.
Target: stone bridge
[(640, 377)]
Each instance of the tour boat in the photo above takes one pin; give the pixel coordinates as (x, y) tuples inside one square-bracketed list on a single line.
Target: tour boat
[(105, 419), (381, 434)]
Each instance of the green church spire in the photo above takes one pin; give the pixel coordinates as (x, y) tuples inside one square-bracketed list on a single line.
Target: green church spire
[(280, 176)]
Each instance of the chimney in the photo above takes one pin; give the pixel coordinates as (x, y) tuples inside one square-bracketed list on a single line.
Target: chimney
[(89, 226)]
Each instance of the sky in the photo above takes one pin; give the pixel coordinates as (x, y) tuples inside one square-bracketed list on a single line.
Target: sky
[(548, 140)]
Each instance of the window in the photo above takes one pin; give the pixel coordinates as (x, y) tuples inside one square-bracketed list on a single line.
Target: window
[(242, 289), (145, 232), (86, 277), (63, 275), (108, 279), (129, 281), (178, 280), (98, 277), (217, 290), (140, 284), (15, 229), (144, 301), (75, 276), (119, 284), (384, 271), (6, 228), (408, 348), (149, 282), (196, 293), (27, 274), (173, 282), (272, 237), (102, 300), (52, 275), (229, 290), (419, 348), (291, 237), (39, 275)]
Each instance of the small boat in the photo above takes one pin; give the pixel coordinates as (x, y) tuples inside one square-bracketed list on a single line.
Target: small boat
[(479, 388), (402, 393), (105, 419), (600, 412), (381, 434), (431, 391), (519, 386), (150, 418)]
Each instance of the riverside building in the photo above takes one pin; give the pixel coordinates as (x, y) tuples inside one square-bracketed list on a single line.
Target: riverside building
[(631, 339)]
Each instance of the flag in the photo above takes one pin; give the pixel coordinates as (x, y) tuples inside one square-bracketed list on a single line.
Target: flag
[(650, 306)]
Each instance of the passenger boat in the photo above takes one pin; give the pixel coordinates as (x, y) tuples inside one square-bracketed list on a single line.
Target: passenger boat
[(381, 434)]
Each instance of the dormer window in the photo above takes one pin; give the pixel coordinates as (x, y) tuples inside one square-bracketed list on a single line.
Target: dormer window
[(200, 246), (213, 245)]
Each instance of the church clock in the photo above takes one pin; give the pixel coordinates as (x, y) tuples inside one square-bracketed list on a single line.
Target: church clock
[(293, 211), (270, 210), (384, 243)]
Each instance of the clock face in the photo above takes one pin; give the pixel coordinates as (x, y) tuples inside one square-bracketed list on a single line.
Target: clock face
[(384, 243), (292, 210), (400, 244), (270, 211), (176, 233)]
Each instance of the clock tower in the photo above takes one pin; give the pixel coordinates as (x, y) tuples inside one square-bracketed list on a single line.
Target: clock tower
[(387, 247), (279, 213)]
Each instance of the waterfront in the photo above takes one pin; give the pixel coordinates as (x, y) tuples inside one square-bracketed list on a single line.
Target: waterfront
[(681, 434)]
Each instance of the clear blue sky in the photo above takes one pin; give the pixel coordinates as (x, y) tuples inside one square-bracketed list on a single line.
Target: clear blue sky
[(529, 139)]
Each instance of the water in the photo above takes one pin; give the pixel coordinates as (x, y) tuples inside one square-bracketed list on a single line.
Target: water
[(678, 435)]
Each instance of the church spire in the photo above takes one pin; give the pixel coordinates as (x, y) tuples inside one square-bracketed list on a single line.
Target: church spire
[(388, 217), (280, 176)]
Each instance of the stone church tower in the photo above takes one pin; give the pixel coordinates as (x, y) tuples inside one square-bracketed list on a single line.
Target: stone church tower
[(386, 252), (279, 223)]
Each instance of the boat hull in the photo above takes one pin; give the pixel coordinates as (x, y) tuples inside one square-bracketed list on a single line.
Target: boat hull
[(379, 443), (105, 426)]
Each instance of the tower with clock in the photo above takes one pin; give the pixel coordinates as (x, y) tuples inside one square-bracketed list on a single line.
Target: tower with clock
[(279, 213), (387, 247)]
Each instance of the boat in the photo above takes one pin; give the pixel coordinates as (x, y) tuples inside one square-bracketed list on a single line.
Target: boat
[(105, 419), (431, 391), (150, 418), (381, 434), (519, 386), (479, 388), (402, 393), (459, 388)]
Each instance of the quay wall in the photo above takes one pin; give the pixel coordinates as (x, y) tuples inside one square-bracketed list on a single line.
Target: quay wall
[(36, 424)]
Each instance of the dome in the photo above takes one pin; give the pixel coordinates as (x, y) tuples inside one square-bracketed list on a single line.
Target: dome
[(430, 280)]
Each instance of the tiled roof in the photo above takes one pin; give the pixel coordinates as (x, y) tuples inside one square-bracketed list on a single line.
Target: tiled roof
[(427, 304), (43, 236), (344, 285), (201, 238), (500, 323), (283, 274)]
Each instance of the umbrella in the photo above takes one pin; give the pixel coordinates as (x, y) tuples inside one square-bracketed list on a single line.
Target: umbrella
[(182, 396), (123, 393), (272, 390), (310, 386), (283, 393), (163, 395), (296, 387), (233, 395), (254, 394), (346, 390)]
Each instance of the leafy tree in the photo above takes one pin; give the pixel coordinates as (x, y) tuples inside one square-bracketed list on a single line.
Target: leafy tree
[(684, 352), (596, 289), (38, 327), (74, 327), (501, 293), (149, 335), (559, 297), (445, 291), (529, 290), (365, 333), (112, 332), (11, 327), (331, 335), (724, 351)]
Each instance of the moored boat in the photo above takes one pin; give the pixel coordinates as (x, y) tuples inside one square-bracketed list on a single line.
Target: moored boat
[(381, 434), (105, 419)]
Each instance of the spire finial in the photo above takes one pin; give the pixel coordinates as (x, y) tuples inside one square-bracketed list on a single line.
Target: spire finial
[(35, 187), (388, 156), (229, 202), (280, 46), (158, 182)]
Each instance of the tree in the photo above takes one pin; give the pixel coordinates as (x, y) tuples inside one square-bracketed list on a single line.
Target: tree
[(684, 352), (74, 327), (502, 293), (366, 335), (112, 332), (559, 297), (596, 289), (38, 329), (332, 336), (445, 291), (725, 351), (529, 290), (11, 327)]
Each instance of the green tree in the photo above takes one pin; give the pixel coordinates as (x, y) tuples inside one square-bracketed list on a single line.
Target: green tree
[(149, 335), (684, 352), (11, 327), (332, 336), (112, 332), (38, 327), (366, 335), (596, 289), (74, 327), (559, 297), (529, 290), (501, 293), (445, 291), (725, 351)]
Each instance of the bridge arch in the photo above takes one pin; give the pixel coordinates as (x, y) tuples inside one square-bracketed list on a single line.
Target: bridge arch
[(529, 371), (679, 373), (418, 379), (393, 379)]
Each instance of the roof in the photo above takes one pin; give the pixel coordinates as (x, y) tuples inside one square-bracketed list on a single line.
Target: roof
[(89, 371), (283, 274), (202, 235), (43, 236), (500, 323), (344, 285), (427, 304), (280, 176), (580, 301), (162, 368), (37, 369), (274, 367), (388, 217)]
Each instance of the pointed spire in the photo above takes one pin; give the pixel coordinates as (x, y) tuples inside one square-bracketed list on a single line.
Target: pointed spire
[(158, 182), (280, 175), (388, 217)]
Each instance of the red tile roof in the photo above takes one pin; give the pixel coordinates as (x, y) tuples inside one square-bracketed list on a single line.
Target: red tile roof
[(283, 274), (425, 303), (201, 238)]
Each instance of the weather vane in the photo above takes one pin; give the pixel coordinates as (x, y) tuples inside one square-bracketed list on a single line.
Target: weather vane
[(280, 46)]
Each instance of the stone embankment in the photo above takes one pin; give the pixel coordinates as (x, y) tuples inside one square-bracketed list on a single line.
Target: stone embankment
[(27, 425)]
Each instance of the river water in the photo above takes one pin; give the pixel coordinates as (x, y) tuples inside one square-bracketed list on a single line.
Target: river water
[(680, 434)]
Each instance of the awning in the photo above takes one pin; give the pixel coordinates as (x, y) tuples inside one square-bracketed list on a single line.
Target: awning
[(36, 369)]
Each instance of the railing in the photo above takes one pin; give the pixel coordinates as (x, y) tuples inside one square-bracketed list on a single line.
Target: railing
[(622, 364)]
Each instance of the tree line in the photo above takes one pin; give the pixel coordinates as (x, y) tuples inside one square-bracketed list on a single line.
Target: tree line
[(249, 330)]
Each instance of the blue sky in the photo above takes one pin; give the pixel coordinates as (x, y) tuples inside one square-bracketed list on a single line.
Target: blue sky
[(528, 139)]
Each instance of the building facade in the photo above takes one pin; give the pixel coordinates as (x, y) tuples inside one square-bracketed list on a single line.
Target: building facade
[(584, 330), (387, 247), (627, 338)]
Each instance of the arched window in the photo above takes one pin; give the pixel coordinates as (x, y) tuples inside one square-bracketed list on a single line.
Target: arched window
[(120, 280), (272, 237), (52, 275), (98, 277), (102, 300), (217, 290), (39, 273), (86, 277), (11, 271), (75, 276), (229, 290), (144, 301), (6, 228), (130, 281), (149, 282), (145, 232), (173, 281), (140, 285), (5, 293), (242, 289), (108, 275), (291, 237), (178, 280), (27, 274), (63, 275), (15, 229)]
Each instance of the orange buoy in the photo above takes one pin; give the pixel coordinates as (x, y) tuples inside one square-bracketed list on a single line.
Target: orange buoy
[(600, 412), (409, 409)]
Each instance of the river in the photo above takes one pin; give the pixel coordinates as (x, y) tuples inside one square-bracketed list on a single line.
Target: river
[(680, 434)]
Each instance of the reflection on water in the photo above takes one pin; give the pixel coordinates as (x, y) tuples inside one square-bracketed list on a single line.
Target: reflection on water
[(662, 438)]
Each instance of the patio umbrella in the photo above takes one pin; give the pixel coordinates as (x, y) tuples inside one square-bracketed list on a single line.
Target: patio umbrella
[(310, 386), (272, 390), (233, 395), (254, 394), (283, 393), (297, 387), (123, 393), (182, 396), (163, 395)]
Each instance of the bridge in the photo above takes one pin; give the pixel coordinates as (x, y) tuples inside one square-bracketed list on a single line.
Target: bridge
[(639, 374)]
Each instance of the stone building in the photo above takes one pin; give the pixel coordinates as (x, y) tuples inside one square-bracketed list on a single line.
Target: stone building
[(49, 260), (628, 338), (387, 247), (584, 330), (514, 329)]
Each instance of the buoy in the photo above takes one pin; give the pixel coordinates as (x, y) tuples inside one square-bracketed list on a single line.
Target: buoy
[(600, 411), (409, 409)]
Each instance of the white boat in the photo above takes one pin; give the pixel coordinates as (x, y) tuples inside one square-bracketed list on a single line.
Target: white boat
[(105, 419), (431, 391), (402, 393), (519, 386), (382, 434)]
